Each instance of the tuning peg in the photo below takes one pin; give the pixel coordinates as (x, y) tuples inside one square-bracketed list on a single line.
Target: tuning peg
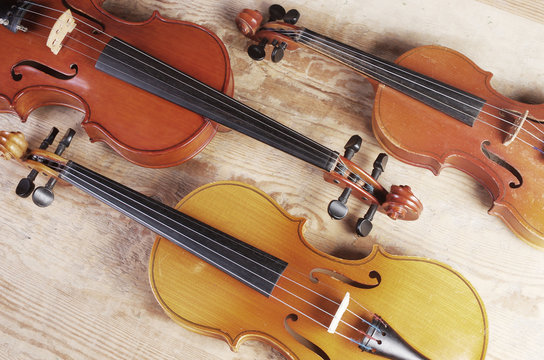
[(26, 185), (257, 52), (43, 195), (277, 12), (352, 146), (379, 165), (364, 224), (291, 17), (337, 209), (277, 53)]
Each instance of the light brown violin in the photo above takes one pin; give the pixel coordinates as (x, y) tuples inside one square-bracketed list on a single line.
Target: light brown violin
[(232, 264), (155, 101), (427, 115)]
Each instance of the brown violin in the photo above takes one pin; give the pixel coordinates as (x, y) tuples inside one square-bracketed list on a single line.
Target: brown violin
[(232, 264), (122, 75), (428, 115)]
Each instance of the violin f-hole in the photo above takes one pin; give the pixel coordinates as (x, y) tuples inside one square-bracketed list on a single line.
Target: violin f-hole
[(337, 276), (302, 340), (499, 161), (43, 68)]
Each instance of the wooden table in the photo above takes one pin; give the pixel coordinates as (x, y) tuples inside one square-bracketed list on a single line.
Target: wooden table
[(73, 276)]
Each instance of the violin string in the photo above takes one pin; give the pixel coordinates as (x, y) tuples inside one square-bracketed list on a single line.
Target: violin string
[(340, 160), (96, 193), (300, 33), (354, 53), (346, 50), (355, 63), (310, 152)]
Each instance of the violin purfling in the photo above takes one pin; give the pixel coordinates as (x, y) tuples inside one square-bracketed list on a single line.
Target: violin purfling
[(155, 101), (434, 108), (232, 264)]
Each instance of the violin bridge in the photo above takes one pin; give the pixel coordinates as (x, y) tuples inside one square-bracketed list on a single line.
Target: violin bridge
[(65, 24), (517, 124), (339, 313)]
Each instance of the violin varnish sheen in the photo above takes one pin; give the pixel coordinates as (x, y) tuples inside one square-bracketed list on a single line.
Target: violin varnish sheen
[(445, 98), (125, 62), (235, 258), (428, 304)]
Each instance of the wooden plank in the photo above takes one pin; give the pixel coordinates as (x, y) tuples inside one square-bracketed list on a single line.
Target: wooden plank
[(73, 277)]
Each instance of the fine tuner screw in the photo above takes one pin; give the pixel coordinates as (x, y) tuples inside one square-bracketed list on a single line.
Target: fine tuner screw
[(43, 196), (337, 208), (26, 185)]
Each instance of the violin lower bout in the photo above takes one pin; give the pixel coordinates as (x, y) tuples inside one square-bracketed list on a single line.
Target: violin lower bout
[(431, 306)]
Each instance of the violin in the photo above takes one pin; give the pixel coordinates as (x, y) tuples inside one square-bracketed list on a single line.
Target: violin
[(229, 262), (75, 54), (430, 116)]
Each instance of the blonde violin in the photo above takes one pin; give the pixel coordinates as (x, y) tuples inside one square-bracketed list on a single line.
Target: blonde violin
[(229, 262)]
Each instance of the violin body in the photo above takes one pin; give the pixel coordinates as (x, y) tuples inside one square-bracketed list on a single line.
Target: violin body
[(422, 136), (433, 308), (144, 129), (435, 108)]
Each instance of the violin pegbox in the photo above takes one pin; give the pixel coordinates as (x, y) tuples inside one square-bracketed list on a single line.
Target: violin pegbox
[(399, 203), (280, 31), (13, 145)]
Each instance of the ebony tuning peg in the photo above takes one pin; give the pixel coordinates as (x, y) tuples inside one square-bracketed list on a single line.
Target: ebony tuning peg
[(364, 224), (26, 185), (257, 52), (43, 195), (277, 12), (291, 17), (279, 50), (337, 209)]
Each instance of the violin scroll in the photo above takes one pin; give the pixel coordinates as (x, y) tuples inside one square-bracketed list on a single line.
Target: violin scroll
[(399, 204), (248, 22), (13, 145), (280, 31)]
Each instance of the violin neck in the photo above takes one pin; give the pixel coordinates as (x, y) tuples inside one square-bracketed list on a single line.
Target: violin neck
[(133, 66), (223, 251), (451, 101)]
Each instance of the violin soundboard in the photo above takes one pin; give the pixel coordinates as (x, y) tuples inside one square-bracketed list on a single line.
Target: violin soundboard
[(74, 276)]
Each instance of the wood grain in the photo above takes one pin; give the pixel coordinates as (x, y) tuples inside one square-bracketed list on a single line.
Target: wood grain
[(73, 277)]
